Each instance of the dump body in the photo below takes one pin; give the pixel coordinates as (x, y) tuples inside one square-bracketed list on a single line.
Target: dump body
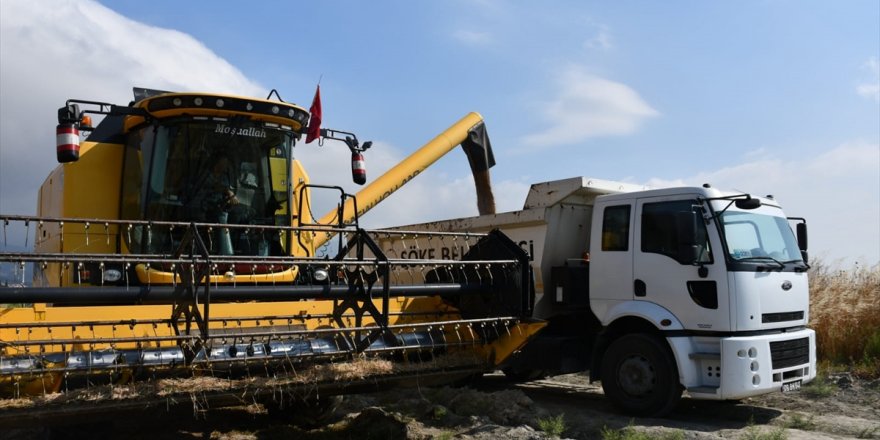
[(729, 308)]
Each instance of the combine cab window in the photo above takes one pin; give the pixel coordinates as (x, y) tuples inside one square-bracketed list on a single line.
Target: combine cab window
[(209, 171)]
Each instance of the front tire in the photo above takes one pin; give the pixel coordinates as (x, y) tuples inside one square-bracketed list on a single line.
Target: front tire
[(639, 375)]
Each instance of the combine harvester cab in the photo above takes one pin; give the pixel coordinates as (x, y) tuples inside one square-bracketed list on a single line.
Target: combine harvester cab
[(176, 252)]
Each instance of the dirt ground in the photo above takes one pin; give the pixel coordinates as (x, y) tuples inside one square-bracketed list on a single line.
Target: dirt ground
[(839, 407)]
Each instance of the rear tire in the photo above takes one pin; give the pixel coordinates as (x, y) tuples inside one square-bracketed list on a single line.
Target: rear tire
[(639, 375)]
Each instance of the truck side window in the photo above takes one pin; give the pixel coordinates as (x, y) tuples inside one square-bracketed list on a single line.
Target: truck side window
[(615, 228), (660, 234)]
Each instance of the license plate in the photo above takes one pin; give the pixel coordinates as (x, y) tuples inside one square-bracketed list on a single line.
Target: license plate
[(791, 386)]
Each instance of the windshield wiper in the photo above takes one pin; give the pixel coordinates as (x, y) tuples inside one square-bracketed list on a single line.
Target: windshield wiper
[(763, 258), (803, 267)]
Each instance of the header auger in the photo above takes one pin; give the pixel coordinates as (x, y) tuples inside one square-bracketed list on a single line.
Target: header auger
[(176, 243)]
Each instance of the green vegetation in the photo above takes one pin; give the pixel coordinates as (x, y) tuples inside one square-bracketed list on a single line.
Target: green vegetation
[(819, 388), (438, 412), (630, 433), (799, 421), (445, 435), (868, 433), (755, 433), (552, 426)]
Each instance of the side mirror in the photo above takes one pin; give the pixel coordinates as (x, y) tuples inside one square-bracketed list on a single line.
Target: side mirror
[(801, 231)]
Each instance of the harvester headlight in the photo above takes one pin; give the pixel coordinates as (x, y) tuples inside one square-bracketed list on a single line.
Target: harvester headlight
[(220, 103), (275, 109), (112, 275), (321, 274), (177, 102), (197, 101)]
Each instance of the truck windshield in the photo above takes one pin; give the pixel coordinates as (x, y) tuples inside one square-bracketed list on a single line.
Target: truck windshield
[(759, 238), (209, 171)]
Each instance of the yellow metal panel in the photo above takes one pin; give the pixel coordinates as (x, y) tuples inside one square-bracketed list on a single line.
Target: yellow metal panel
[(92, 184)]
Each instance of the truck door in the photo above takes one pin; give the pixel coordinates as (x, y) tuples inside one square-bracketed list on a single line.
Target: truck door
[(611, 255), (667, 267)]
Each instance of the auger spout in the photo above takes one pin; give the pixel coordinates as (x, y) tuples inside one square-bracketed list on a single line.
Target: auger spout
[(469, 132)]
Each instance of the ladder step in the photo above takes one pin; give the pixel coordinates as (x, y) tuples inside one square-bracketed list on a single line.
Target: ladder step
[(703, 390)]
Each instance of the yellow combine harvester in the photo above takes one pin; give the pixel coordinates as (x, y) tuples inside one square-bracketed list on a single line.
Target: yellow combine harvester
[(177, 241)]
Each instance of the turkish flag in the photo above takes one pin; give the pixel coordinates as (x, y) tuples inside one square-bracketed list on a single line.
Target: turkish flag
[(314, 130)]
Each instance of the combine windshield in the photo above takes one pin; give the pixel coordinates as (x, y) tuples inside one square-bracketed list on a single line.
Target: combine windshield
[(209, 171), (761, 239)]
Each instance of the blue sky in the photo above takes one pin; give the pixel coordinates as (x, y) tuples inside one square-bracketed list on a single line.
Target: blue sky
[(778, 97)]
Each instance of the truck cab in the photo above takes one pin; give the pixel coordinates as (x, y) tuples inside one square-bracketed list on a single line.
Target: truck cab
[(658, 291), (720, 276)]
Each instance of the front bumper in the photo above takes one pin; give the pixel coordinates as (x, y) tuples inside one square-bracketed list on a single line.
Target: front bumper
[(742, 366)]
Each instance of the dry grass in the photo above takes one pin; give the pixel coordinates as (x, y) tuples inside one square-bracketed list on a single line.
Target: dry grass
[(845, 313)]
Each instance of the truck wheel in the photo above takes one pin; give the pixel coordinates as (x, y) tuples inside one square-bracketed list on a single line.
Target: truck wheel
[(639, 375)]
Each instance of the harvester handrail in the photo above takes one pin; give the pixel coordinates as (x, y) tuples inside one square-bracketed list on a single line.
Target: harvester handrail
[(99, 221), (6, 218), (227, 259), (167, 321)]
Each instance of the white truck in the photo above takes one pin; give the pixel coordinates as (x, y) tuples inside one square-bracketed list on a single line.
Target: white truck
[(656, 291)]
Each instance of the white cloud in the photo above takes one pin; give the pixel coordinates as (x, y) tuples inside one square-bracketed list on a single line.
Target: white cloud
[(587, 106), (54, 50), (871, 88), (602, 40), (837, 191)]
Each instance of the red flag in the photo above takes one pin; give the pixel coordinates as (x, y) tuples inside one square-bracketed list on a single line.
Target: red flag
[(314, 130)]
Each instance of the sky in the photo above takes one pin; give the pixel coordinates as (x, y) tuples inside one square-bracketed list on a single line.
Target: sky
[(768, 97)]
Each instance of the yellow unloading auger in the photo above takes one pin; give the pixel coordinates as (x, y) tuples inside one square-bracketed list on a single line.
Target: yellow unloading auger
[(154, 289), (469, 132)]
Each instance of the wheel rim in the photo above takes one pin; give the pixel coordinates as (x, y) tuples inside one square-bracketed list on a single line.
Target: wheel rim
[(636, 376)]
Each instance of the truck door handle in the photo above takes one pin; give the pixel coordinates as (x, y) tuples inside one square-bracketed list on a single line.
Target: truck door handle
[(640, 288)]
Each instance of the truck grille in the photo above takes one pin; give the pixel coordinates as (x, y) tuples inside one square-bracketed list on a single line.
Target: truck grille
[(782, 317), (789, 353)]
